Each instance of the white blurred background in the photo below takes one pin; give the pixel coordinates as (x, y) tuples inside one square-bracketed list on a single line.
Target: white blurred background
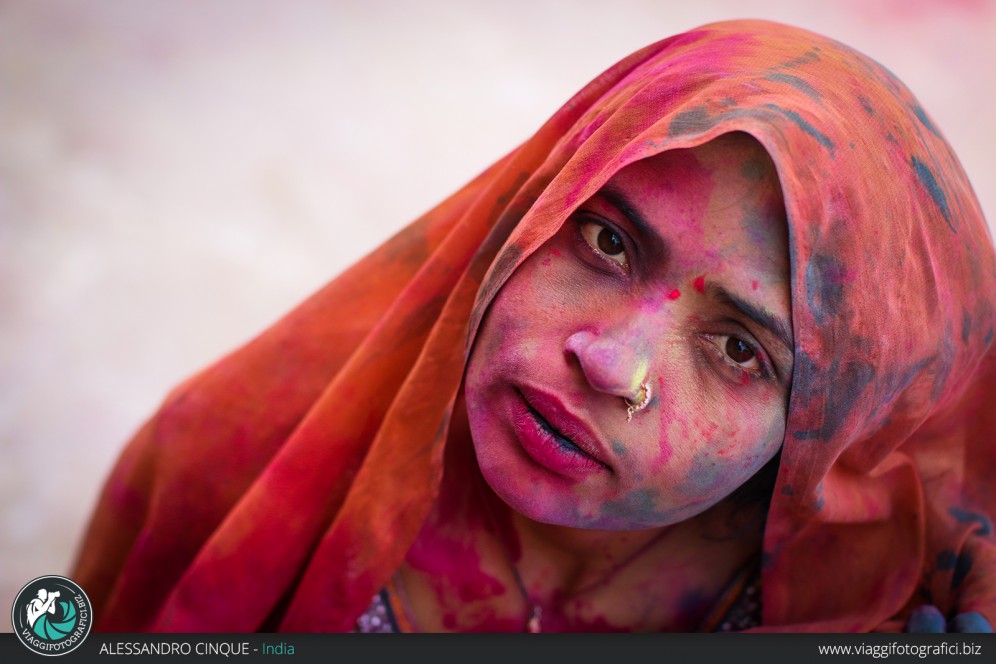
[(175, 175)]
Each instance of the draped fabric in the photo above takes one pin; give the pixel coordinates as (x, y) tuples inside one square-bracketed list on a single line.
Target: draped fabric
[(279, 488)]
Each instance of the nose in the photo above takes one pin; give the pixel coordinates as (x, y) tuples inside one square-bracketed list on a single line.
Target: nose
[(609, 364)]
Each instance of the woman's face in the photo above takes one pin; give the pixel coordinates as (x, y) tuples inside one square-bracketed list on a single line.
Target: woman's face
[(674, 276)]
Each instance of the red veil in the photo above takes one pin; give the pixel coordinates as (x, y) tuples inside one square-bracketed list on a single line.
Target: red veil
[(280, 488)]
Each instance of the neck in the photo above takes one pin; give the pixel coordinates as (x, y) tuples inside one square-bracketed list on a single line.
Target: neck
[(566, 561), (573, 578), (561, 562)]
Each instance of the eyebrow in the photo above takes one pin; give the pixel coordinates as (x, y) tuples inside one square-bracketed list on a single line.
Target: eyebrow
[(761, 316), (621, 202)]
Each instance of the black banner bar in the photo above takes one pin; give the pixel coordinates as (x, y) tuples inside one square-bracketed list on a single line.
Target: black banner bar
[(515, 648)]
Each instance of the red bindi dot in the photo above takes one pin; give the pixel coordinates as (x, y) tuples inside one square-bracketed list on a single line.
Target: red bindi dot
[(699, 283), (674, 295)]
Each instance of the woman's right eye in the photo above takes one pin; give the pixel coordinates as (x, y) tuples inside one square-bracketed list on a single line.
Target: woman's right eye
[(605, 242)]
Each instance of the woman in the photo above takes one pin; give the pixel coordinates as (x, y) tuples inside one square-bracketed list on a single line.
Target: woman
[(726, 318)]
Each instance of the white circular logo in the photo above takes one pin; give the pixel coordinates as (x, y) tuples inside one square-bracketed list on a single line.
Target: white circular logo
[(51, 615)]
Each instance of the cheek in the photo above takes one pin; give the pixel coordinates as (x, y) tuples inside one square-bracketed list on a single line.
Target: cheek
[(705, 450), (734, 449), (686, 426), (515, 321), (542, 291)]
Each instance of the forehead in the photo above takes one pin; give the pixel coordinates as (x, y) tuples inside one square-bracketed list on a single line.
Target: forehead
[(729, 183), (715, 208), (734, 164)]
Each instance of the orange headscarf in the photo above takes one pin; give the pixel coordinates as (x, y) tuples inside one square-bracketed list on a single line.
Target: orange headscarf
[(281, 487)]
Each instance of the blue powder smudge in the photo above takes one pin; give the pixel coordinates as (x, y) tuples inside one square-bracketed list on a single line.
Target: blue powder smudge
[(930, 183), (964, 516), (796, 83), (921, 115), (820, 137)]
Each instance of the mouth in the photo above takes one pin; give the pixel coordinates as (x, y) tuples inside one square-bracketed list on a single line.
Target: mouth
[(554, 437)]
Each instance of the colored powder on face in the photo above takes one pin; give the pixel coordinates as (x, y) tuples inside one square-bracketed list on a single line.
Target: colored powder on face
[(674, 295), (753, 285), (700, 283)]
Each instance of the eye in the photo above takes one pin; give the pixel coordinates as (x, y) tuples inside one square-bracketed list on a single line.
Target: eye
[(737, 352), (605, 242)]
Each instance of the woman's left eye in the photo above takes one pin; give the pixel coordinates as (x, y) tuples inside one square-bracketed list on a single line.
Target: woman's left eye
[(605, 242), (737, 351)]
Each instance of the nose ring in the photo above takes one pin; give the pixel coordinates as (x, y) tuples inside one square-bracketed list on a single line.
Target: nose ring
[(637, 407)]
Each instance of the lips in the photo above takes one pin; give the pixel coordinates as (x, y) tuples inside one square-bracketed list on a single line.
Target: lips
[(554, 437)]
